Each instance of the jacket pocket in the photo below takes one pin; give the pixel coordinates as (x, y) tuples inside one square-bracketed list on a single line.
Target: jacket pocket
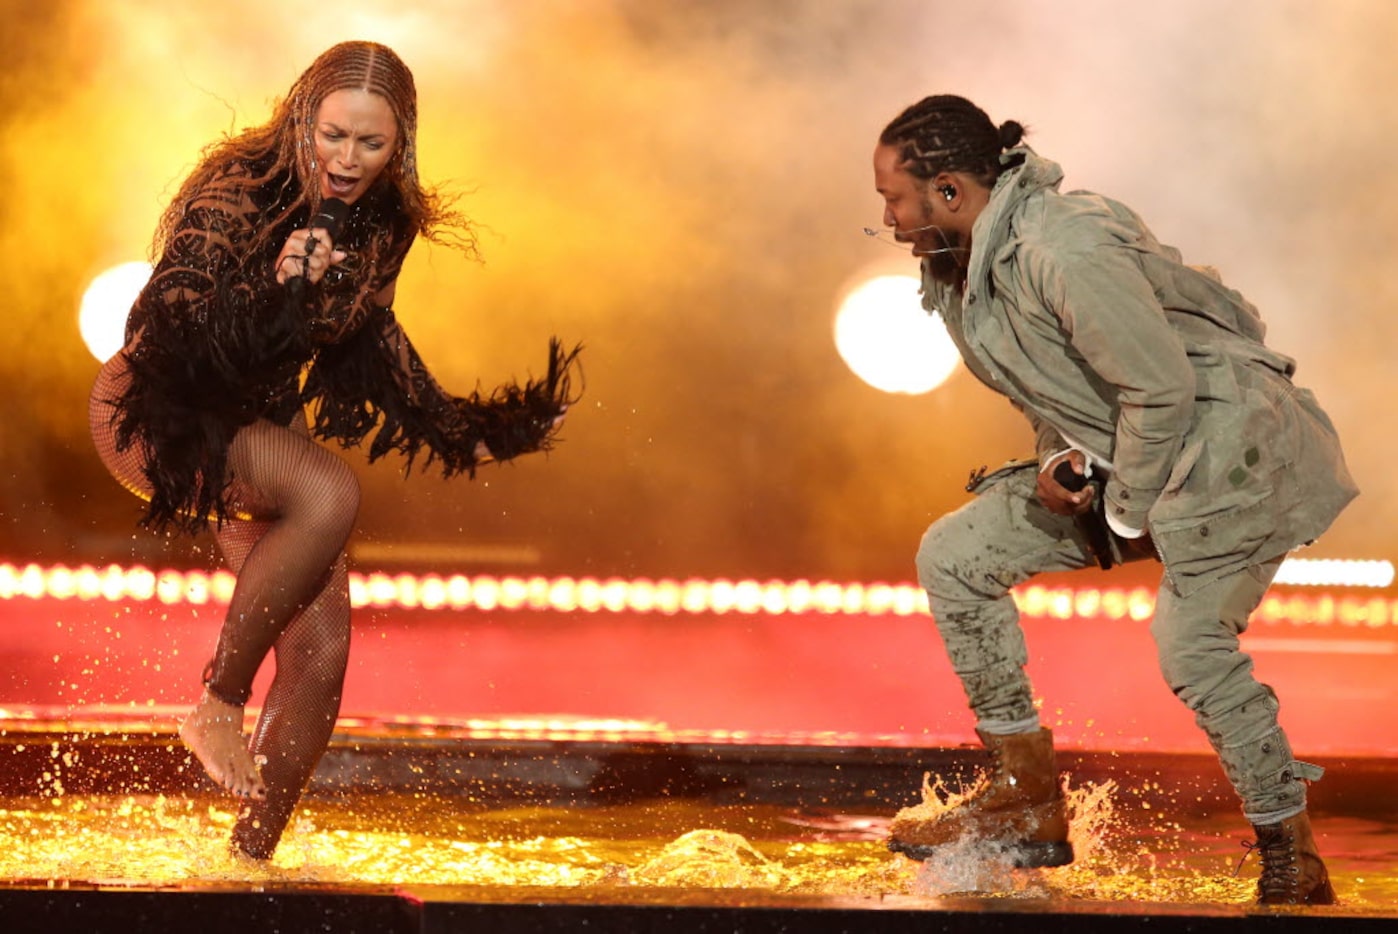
[(1220, 508), (1223, 541)]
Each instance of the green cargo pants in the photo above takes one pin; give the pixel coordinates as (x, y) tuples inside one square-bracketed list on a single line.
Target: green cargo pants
[(971, 558)]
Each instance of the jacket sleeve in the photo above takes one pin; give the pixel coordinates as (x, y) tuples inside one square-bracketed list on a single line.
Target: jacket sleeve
[(1114, 322), (376, 383), (1047, 440)]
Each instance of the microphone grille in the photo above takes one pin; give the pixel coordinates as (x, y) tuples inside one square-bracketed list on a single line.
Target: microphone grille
[(331, 216)]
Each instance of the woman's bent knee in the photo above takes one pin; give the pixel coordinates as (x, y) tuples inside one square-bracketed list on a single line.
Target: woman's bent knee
[(335, 504)]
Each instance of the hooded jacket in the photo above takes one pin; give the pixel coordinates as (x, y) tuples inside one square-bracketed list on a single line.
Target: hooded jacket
[(1107, 341)]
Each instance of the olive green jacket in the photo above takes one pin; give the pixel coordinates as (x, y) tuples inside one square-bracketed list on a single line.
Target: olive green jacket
[(1100, 334)]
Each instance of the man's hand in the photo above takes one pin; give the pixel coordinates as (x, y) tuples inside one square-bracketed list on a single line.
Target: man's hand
[(1056, 497)]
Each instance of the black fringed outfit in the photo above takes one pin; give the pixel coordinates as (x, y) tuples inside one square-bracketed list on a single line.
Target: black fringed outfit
[(213, 345), (201, 414)]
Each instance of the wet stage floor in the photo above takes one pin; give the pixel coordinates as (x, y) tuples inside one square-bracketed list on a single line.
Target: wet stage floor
[(410, 828)]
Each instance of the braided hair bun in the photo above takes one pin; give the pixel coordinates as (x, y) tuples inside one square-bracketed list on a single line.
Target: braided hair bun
[(947, 133)]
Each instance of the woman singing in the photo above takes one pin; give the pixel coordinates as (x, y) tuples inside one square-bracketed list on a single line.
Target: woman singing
[(271, 298)]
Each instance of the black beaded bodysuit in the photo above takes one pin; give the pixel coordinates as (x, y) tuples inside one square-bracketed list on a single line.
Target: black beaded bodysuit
[(213, 344), (194, 415)]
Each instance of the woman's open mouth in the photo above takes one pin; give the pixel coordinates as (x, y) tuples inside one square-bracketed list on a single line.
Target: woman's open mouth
[(340, 185)]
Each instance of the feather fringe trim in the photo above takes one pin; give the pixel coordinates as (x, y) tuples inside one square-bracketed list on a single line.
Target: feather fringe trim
[(348, 390), (190, 392)]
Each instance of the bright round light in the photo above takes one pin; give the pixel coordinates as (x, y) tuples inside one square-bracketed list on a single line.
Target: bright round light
[(889, 341), (105, 304)]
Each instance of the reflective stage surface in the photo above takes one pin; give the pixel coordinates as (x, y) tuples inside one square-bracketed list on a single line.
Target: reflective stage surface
[(428, 827), (752, 796)]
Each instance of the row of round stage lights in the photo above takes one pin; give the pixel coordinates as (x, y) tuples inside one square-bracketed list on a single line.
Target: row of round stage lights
[(672, 597)]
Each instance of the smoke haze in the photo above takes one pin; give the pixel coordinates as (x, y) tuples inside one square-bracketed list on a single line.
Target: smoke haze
[(680, 186)]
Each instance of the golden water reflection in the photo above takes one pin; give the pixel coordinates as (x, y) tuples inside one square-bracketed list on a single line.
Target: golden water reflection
[(376, 840)]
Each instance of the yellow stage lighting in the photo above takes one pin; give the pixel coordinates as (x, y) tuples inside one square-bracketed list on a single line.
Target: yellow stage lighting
[(889, 341), (105, 304)]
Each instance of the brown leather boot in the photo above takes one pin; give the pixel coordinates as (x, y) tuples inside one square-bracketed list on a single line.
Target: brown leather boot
[(1020, 806), (1292, 870)]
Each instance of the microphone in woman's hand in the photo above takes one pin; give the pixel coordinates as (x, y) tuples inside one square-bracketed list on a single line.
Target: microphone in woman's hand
[(330, 218)]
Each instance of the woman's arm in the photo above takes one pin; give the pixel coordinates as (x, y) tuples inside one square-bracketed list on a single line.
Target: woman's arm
[(376, 382)]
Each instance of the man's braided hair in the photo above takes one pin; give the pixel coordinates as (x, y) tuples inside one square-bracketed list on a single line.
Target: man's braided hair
[(946, 133)]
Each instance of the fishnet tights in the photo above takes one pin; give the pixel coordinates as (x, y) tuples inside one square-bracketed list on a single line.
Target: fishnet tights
[(299, 712), (292, 595)]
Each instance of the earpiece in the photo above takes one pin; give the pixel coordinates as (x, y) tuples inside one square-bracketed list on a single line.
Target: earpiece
[(948, 192)]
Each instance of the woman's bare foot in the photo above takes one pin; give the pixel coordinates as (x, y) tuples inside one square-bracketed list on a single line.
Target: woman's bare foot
[(213, 731)]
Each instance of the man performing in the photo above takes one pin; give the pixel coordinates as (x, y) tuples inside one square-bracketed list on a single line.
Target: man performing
[(1150, 379)]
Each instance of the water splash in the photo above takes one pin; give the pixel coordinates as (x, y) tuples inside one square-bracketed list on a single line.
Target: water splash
[(1124, 852), (710, 859), (1121, 852), (938, 797)]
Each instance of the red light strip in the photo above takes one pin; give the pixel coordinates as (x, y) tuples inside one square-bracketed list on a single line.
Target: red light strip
[(667, 597)]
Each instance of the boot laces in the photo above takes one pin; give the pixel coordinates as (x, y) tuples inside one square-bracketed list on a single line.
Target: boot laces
[(1280, 874), (997, 762)]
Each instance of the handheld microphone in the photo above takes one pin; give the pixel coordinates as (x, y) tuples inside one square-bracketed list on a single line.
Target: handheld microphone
[(330, 218), (1090, 524)]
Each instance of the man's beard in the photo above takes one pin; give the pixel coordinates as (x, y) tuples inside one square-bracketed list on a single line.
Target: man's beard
[(946, 257), (944, 262)]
